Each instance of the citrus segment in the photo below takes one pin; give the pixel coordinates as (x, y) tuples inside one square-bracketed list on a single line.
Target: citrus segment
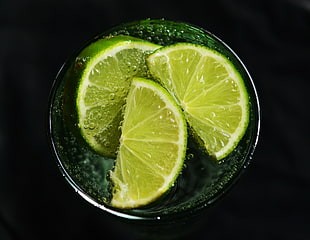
[(152, 146), (210, 91), (107, 67)]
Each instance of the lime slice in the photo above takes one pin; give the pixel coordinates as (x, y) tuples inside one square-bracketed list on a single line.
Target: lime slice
[(152, 146), (107, 67), (210, 91)]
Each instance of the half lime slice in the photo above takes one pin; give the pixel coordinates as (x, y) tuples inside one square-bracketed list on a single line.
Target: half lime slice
[(209, 89), (108, 66), (152, 146)]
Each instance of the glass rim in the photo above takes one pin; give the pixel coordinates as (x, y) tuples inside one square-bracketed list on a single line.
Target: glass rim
[(172, 216)]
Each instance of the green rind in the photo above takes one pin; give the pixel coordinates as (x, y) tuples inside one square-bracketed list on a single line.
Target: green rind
[(101, 45)]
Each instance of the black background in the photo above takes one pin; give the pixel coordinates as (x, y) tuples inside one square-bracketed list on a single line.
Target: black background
[(272, 37)]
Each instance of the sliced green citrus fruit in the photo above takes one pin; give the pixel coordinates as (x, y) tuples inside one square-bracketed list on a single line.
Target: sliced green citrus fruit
[(209, 89), (152, 146), (107, 67)]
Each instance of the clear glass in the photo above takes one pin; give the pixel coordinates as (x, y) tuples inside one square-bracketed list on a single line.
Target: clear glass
[(202, 181)]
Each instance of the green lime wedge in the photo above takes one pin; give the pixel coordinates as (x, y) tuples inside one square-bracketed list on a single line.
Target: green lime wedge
[(152, 146), (108, 66), (209, 89)]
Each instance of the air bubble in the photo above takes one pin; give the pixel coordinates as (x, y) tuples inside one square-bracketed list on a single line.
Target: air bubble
[(134, 68), (89, 125), (107, 144), (190, 156), (112, 96)]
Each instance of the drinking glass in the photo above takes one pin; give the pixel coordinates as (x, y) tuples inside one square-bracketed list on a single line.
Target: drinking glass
[(202, 181)]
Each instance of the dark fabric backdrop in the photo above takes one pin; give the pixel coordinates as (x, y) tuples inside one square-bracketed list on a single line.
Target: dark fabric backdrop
[(272, 37)]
